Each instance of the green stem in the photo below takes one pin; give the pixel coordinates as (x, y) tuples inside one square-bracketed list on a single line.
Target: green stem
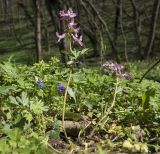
[(70, 46), (55, 150), (109, 109), (64, 104)]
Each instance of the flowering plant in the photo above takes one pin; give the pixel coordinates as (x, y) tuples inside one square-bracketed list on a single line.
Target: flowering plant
[(71, 31), (71, 34), (115, 68)]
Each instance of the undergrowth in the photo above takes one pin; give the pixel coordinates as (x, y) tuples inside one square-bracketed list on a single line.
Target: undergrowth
[(31, 100)]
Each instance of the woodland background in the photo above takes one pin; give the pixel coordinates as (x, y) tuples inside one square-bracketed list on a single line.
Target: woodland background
[(123, 30)]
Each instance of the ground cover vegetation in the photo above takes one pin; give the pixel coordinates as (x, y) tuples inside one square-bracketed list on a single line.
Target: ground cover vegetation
[(123, 113)]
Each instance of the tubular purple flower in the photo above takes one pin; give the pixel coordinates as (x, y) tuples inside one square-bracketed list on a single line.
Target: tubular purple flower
[(63, 14), (71, 29), (72, 26), (71, 14), (76, 30), (78, 40), (60, 37), (72, 23)]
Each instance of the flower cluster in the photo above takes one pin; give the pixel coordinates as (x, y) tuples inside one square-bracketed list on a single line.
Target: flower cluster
[(40, 84), (71, 30), (115, 68), (61, 88)]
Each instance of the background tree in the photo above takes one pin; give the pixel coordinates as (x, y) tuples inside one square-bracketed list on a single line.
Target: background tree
[(38, 32), (113, 29)]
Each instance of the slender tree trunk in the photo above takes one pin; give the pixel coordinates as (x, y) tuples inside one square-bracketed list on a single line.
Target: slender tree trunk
[(45, 33), (114, 49), (27, 14), (117, 20), (12, 27), (38, 30), (53, 8), (153, 23), (6, 4), (137, 27), (122, 31), (50, 5), (93, 30)]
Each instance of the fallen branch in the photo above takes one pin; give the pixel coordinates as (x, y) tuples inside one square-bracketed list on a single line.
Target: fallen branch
[(155, 64)]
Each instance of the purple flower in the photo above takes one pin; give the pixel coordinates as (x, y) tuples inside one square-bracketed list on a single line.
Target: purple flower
[(127, 75), (78, 40), (63, 14), (71, 29), (72, 23), (116, 69), (69, 14), (60, 36), (72, 26), (80, 64), (61, 88), (40, 84), (76, 30)]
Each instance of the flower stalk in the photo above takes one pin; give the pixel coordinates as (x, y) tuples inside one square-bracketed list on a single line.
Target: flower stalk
[(107, 112), (64, 104), (71, 34)]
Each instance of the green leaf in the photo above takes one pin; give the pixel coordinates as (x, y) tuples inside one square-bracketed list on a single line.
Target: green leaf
[(13, 100), (9, 69), (4, 147), (70, 62), (29, 117), (84, 51), (146, 98), (56, 124), (88, 104), (54, 134), (5, 89), (6, 129), (24, 99), (37, 106), (14, 134), (71, 93)]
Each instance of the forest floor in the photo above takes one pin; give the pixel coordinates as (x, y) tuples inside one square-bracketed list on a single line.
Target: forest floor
[(103, 113)]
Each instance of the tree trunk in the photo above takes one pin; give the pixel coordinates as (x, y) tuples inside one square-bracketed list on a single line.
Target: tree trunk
[(38, 30), (114, 49), (137, 27), (26, 12), (117, 20), (92, 31), (122, 31), (153, 23), (53, 8)]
